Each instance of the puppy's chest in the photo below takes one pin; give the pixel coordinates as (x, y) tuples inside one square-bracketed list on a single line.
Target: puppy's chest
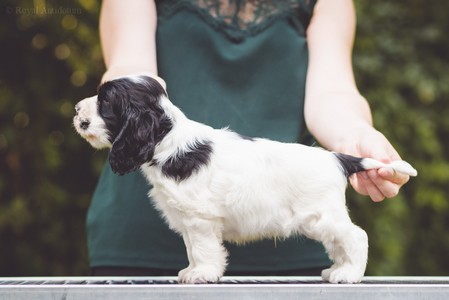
[(187, 197)]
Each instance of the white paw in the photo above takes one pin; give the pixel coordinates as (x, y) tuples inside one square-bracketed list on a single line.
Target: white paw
[(326, 274), (343, 274), (183, 272), (202, 274)]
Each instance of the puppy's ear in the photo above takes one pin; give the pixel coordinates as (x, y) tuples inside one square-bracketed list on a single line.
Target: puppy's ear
[(137, 122), (134, 144)]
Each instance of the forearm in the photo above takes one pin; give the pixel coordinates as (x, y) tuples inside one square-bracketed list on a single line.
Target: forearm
[(335, 116), (127, 34), (333, 106)]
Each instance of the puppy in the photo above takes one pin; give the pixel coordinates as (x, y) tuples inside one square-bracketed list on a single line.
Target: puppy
[(212, 185)]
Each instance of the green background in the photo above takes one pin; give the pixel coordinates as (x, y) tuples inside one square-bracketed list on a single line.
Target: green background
[(51, 58)]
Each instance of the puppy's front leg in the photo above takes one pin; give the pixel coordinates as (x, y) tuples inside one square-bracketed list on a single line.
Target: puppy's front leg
[(191, 265), (206, 254)]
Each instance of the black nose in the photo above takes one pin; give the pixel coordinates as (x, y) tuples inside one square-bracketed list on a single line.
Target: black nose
[(84, 124)]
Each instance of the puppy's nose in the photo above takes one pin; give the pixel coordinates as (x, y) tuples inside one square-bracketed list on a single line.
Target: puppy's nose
[(84, 124)]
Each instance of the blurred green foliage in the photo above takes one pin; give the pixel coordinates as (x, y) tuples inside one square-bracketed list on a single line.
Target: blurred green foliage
[(401, 61), (51, 58)]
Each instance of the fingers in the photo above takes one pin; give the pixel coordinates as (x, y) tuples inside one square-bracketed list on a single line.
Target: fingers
[(386, 188), (120, 71), (395, 177), (379, 184), (364, 185)]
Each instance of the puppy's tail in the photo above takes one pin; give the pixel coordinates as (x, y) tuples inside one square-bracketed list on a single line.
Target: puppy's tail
[(351, 164)]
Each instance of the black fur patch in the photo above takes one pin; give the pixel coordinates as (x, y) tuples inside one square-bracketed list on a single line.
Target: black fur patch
[(185, 164), (135, 119), (349, 164)]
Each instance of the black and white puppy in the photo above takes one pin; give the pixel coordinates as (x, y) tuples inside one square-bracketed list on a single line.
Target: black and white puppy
[(212, 185)]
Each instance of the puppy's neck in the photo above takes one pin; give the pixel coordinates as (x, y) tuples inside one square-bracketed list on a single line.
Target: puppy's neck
[(184, 133), (174, 113)]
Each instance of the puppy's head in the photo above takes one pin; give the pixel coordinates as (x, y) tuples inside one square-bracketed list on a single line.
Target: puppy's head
[(126, 116)]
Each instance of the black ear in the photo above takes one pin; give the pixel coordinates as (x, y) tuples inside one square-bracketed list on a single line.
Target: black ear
[(131, 110), (134, 144)]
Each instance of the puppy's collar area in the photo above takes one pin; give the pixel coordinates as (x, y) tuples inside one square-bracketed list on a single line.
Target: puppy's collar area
[(184, 163)]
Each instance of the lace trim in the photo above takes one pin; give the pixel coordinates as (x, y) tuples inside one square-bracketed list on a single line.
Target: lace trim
[(239, 19)]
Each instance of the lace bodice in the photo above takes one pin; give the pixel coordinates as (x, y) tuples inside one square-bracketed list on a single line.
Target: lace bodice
[(239, 19)]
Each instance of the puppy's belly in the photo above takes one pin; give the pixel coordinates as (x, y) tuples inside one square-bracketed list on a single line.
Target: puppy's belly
[(239, 225), (247, 228)]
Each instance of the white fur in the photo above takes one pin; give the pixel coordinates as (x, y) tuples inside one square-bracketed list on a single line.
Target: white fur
[(249, 190), (96, 134)]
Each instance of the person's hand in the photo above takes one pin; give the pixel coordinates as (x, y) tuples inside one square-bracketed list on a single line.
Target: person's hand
[(119, 71), (378, 184)]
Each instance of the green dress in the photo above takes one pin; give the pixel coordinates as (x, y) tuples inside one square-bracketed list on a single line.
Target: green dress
[(223, 68)]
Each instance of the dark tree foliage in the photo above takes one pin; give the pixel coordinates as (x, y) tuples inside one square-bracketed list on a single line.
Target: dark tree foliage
[(51, 58)]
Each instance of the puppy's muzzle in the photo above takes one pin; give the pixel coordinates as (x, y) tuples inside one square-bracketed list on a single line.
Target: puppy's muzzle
[(83, 123)]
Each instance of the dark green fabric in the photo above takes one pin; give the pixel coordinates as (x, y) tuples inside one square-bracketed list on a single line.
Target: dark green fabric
[(254, 85)]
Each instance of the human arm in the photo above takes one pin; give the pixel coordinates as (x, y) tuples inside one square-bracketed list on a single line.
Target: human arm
[(128, 38), (335, 112)]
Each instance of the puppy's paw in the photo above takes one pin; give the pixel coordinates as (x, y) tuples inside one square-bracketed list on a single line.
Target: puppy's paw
[(326, 274), (201, 274), (183, 272), (343, 274)]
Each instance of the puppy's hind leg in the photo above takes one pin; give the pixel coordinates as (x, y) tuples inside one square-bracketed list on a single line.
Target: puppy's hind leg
[(346, 244), (206, 254), (349, 251)]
